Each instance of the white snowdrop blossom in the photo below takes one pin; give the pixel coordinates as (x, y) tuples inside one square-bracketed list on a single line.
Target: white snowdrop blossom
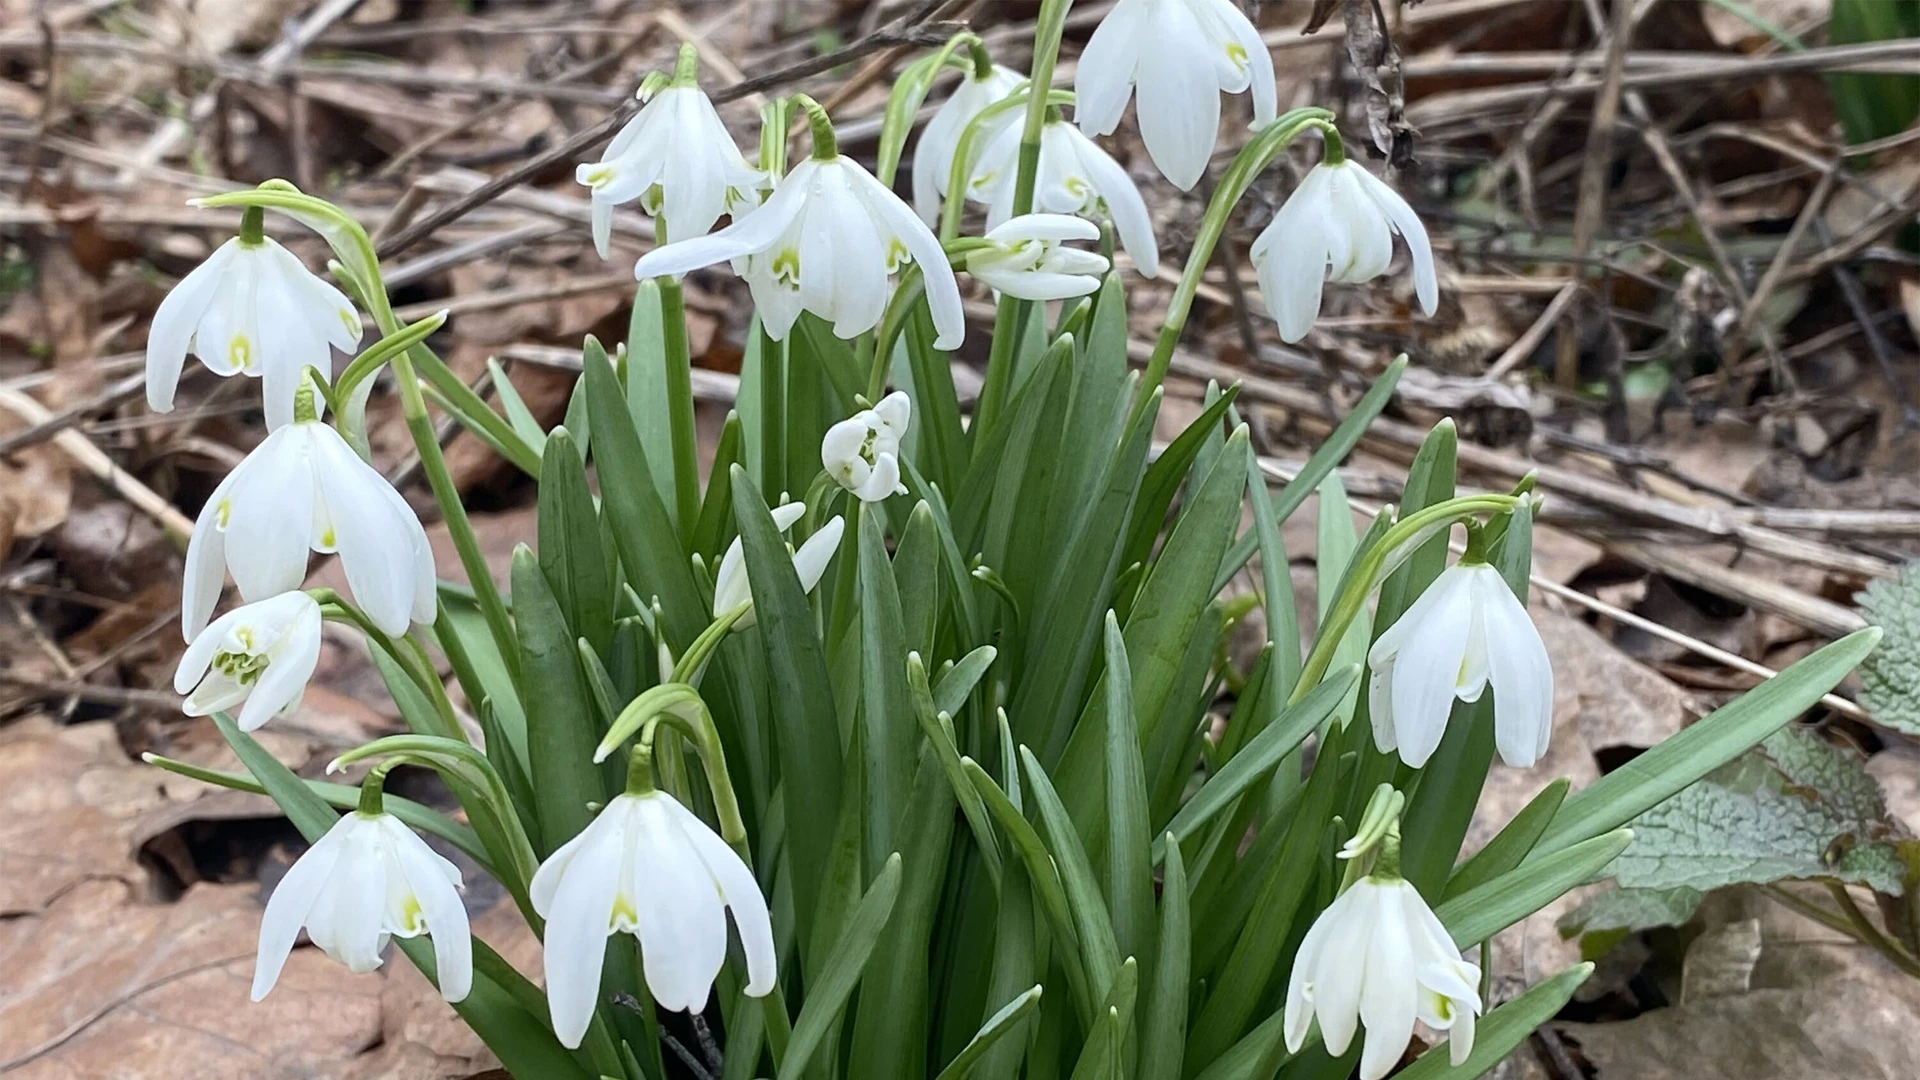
[(940, 139), (1182, 54), (1377, 955), (1075, 177), (252, 308), (368, 879), (261, 654), (1465, 632), (826, 241), (303, 488), (678, 159), (731, 586), (647, 866), (862, 452), (1028, 258), (1338, 225)]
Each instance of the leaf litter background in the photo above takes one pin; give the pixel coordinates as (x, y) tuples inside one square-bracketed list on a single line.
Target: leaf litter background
[(1677, 255)]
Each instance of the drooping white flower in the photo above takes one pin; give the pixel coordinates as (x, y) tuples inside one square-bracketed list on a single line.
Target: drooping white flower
[(862, 452), (1182, 54), (368, 879), (1465, 632), (1337, 226), (731, 586), (1075, 177), (252, 308), (826, 241), (1377, 955), (1029, 259), (262, 654), (933, 155), (647, 866), (303, 488), (678, 159)]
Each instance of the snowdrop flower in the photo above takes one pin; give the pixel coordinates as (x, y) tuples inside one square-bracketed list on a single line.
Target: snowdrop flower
[(826, 241), (1182, 54), (1075, 177), (1028, 260), (252, 308), (731, 586), (862, 452), (677, 158), (933, 156), (304, 488), (368, 879), (262, 654), (1378, 956), (1337, 226), (649, 867), (1466, 631)]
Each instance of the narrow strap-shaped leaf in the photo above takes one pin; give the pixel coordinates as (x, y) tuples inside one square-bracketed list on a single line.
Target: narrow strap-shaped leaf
[(570, 551), (951, 690), (956, 566), (1499, 1032), (1089, 911), (1163, 1033), (519, 416), (1336, 545), (1276, 579), (997, 1025), (561, 730), (710, 532), (828, 993), (1164, 477), (1129, 884), (972, 805), (1104, 1053), (885, 710), (916, 564), (1512, 843), (1479, 913)]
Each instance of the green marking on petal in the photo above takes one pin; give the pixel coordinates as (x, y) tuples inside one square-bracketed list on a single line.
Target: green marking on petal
[(897, 255), (223, 513), (786, 266), (1236, 55), (240, 353)]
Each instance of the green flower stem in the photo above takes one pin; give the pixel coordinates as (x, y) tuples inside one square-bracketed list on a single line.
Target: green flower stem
[(680, 707), (686, 68), (1864, 929), (978, 54), (1008, 329), (373, 789), (692, 662), (825, 146), (412, 660), (253, 227), (967, 150), (1048, 28), (1380, 559), (679, 392), (1247, 165)]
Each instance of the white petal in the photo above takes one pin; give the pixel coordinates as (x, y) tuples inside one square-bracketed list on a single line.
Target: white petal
[(1424, 675), (742, 894), (1380, 704), (1259, 62), (578, 920), (943, 291), (1041, 285), (327, 308), (206, 562), (1291, 255), (1040, 226), (546, 880), (288, 907), (286, 676), (1426, 285), (1460, 1037), (843, 259), (1104, 78), (1522, 677), (1340, 975), (374, 532), (754, 233), (1391, 996), (682, 923), (271, 513), (427, 874), (1300, 992), (347, 922), (200, 652), (1369, 239), (1179, 103), (895, 413), (600, 211), (841, 445), (174, 322), (1129, 211), (810, 562)]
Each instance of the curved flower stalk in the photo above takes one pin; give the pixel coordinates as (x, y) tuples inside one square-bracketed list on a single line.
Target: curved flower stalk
[(649, 867), (933, 155), (302, 489), (677, 158), (862, 452), (733, 589), (1377, 955), (1075, 177), (251, 309), (367, 880), (826, 241), (1338, 225), (1026, 258), (1466, 632), (261, 654), (1182, 54)]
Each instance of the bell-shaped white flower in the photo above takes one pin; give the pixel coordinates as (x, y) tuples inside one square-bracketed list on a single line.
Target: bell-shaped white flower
[(1466, 631), (862, 452), (262, 654), (933, 155), (826, 241), (252, 308), (1028, 258), (1337, 226), (1378, 956), (1182, 54), (647, 866), (731, 586), (304, 488), (677, 158), (1075, 177), (368, 879)]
